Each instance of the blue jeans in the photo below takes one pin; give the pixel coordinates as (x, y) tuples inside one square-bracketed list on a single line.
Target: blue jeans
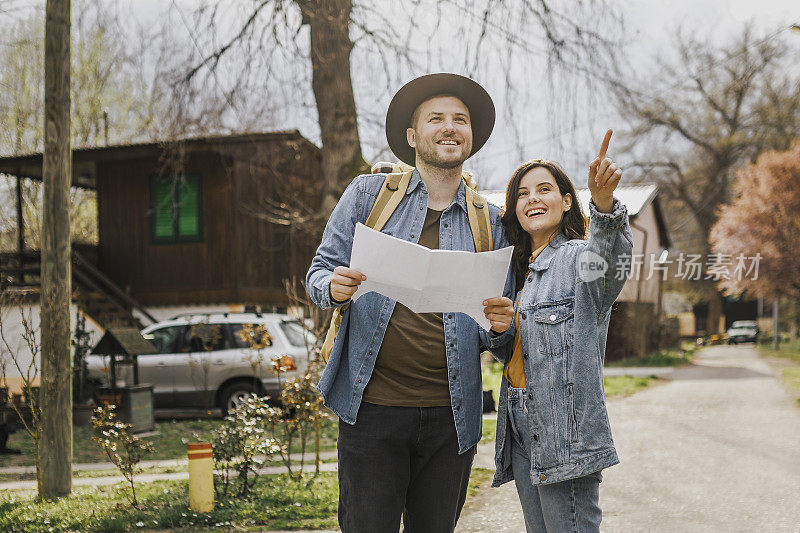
[(570, 505)]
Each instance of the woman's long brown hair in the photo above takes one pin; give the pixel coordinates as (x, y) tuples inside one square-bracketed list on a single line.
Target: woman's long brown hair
[(573, 224)]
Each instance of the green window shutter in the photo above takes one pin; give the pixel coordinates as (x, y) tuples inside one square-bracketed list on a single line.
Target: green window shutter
[(189, 207), (163, 221)]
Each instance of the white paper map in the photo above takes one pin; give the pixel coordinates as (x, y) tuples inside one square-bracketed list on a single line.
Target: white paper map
[(428, 281)]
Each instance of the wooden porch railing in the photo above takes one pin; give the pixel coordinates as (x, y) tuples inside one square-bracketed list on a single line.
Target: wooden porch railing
[(22, 270)]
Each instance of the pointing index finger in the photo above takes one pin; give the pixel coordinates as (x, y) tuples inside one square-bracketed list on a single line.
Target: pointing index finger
[(604, 147)]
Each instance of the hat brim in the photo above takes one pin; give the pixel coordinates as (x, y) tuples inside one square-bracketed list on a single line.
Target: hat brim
[(413, 93)]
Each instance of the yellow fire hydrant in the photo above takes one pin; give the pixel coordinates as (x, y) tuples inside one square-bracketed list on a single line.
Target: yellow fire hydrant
[(201, 477)]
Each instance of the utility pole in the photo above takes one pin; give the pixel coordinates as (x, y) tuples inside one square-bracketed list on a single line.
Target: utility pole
[(55, 475)]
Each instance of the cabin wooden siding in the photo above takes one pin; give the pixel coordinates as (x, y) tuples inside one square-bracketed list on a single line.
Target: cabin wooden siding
[(271, 252), (242, 258), (186, 272)]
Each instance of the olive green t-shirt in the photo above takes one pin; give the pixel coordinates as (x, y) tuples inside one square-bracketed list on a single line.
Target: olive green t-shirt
[(411, 368)]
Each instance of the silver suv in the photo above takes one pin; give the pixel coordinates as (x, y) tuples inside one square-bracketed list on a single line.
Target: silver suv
[(206, 360)]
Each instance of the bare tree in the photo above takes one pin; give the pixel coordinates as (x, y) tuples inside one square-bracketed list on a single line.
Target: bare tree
[(19, 358), (122, 94), (121, 87), (702, 115), (204, 339), (270, 35)]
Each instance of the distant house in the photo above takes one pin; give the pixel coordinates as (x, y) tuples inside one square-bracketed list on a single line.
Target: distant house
[(182, 224), (636, 317)]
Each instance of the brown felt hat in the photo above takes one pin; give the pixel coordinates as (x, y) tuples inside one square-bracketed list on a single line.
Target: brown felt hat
[(413, 93)]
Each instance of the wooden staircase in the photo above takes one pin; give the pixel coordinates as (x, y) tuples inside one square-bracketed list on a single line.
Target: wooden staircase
[(102, 299), (93, 292)]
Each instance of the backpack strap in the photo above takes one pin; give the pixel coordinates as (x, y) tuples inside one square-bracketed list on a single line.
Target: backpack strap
[(479, 222), (389, 197)]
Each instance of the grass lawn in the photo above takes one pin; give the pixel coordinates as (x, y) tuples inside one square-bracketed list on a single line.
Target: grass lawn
[(480, 478), (789, 350), (666, 357), (169, 441), (492, 375), (787, 362), (276, 503), (791, 376), (489, 431), (626, 385)]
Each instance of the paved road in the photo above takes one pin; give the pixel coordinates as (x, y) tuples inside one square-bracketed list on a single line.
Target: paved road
[(715, 448)]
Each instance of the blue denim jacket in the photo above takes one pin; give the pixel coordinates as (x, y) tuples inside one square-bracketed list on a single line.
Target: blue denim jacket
[(564, 322), (364, 323)]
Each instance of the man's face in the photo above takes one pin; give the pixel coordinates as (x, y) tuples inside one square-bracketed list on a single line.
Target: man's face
[(442, 133)]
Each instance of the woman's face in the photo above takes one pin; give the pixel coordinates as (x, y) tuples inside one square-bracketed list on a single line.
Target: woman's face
[(540, 206)]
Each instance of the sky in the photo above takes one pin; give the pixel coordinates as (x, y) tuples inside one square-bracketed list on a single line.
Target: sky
[(649, 26), (542, 118)]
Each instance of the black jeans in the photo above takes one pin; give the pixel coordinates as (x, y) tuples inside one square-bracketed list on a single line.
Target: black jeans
[(401, 461)]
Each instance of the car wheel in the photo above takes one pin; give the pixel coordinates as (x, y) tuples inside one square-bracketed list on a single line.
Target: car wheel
[(235, 394)]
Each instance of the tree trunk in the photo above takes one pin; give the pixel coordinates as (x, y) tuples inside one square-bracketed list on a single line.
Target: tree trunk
[(792, 317), (55, 476), (333, 91), (715, 297), (714, 312)]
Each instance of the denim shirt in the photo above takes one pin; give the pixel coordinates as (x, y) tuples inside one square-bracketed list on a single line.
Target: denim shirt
[(563, 321), (364, 322)]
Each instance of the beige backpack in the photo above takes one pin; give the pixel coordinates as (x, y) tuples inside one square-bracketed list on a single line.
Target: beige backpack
[(389, 197)]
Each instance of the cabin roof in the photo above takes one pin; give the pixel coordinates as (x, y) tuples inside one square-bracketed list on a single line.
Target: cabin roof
[(84, 159)]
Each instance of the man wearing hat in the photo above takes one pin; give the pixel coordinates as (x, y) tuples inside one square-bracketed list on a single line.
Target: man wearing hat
[(407, 386)]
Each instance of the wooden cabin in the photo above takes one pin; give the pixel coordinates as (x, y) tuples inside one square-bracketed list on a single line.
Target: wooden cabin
[(192, 222)]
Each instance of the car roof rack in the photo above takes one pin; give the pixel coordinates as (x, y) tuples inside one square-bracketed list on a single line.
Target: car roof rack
[(225, 314), (200, 313)]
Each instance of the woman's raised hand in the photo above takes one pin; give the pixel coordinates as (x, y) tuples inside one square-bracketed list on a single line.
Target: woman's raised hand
[(604, 176)]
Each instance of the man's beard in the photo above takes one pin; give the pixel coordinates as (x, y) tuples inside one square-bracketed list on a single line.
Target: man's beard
[(431, 158)]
